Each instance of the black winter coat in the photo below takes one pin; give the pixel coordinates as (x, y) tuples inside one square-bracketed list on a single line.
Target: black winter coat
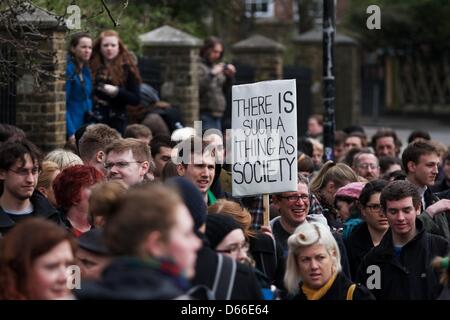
[(339, 289), (246, 286), (358, 244), (268, 256), (409, 277), (113, 110), (128, 278), (41, 208)]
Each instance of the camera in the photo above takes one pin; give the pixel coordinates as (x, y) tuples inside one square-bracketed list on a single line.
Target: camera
[(100, 85), (93, 117)]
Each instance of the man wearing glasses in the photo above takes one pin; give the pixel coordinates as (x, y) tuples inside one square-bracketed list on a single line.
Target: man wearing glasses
[(294, 209), (127, 160), (368, 234), (366, 165), (19, 170)]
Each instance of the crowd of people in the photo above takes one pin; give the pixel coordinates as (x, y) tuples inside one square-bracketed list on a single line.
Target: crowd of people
[(372, 224)]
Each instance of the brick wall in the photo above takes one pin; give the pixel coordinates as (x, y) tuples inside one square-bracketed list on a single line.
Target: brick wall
[(263, 54), (41, 113)]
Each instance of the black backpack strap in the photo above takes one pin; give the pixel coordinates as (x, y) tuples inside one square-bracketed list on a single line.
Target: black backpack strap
[(275, 255), (224, 279)]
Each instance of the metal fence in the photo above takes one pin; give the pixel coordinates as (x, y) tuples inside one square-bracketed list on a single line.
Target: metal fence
[(8, 90), (150, 71), (303, 77)]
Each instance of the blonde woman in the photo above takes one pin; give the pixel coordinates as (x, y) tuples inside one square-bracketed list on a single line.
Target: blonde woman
[(317, 153), (324, 186), (63, 158), (49, 171), (314, 270)]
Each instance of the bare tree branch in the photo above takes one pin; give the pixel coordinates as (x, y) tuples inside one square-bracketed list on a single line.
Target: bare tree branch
[(109, 13), (21, 41)]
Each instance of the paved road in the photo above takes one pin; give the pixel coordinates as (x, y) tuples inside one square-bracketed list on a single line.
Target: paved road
[(439, 129)]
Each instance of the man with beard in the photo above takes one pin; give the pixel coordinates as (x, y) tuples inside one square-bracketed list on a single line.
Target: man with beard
[(385, 142), (420, 161), (19, 170)]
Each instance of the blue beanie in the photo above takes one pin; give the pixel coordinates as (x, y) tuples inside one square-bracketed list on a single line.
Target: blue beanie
[(192, 198)]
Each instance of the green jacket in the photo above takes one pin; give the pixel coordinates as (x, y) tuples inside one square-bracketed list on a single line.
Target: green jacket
[(437, 225)]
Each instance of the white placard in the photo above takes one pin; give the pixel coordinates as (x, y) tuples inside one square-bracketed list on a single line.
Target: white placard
[(264, 138)]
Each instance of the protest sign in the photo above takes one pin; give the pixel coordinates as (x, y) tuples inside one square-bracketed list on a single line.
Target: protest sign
[(264, 138)]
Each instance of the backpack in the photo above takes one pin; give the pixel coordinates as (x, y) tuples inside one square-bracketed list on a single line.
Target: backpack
[(224, 278)]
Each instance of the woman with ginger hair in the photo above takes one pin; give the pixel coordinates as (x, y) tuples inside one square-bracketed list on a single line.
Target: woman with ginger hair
[(263, 249), (34, 257), (116, 80), (72, 188)]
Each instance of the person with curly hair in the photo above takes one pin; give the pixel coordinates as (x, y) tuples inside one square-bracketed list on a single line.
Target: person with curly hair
[(72, 188), (116, 80)]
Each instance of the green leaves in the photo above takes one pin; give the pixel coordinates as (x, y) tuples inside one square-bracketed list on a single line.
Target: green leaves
[(404, 24)]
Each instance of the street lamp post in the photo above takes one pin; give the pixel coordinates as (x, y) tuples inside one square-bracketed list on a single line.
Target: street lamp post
[(329, 88)]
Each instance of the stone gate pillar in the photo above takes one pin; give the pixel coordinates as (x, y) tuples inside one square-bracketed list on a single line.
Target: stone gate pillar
[(263, 54), (177, 53)]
